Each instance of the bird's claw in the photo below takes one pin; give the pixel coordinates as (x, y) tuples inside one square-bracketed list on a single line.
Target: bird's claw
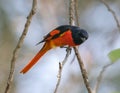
[(69, 49)]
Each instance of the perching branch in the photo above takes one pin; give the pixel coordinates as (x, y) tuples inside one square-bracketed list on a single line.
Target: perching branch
[(83, 70), (100, 76), (77, 22), (20, 43), (72, 12), (72, 15), (112, 12), (61, 65), (76, 13)]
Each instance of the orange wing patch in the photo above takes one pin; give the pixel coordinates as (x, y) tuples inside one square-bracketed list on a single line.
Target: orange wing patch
[(54, 32)]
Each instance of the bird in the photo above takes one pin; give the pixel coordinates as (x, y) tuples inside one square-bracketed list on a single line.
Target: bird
[(61, 36)]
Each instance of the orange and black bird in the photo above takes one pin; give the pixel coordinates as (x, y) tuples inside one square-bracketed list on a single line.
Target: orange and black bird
[(61, 36)]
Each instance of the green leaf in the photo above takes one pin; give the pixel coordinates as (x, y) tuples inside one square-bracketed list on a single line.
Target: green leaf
[(114, 55), (116, 92)]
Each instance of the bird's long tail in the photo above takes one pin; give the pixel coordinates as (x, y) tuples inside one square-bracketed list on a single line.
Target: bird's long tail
[(45, 48)]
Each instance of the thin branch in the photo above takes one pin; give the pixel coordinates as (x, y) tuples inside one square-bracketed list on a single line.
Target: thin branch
[(77, 23), (112, 12), (68, 49), (83, 70), (20, 43), (71, 18), (72, 14), (100, 76), (61, 65), (76, 13)]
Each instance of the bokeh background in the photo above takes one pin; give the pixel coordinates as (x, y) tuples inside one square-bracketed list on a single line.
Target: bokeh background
[(104, 36)]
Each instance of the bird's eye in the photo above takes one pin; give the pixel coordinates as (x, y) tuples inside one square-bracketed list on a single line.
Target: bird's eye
[(83, 38)]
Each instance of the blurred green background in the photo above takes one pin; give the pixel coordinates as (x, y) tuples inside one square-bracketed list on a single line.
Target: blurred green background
[(104, 36)]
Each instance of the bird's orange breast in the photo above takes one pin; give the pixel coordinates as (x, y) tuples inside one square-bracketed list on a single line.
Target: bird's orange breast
[(64, 39)]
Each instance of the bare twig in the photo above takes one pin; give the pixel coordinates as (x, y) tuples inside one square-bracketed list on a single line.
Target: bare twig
[(20, 42), (72, 14), (59, 77), (61, 65), (112, 12), (83, 70), (68, 49), (77, 22), (71, 18), (99, 78), (76, 13)]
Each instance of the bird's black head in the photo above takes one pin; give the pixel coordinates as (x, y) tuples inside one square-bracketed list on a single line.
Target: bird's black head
[(79, 35)]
